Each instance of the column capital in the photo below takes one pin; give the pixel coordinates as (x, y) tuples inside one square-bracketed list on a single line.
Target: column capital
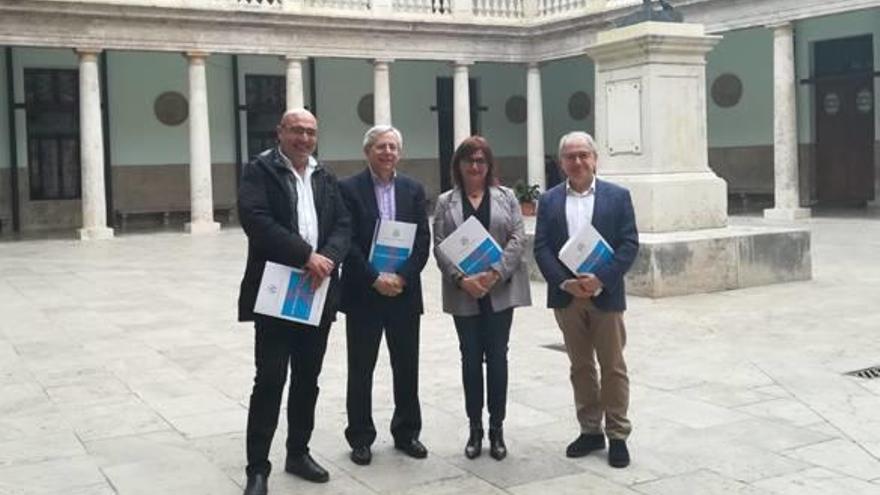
[(382, 60), (196, 55), (461, 63), (535, 64), (86, 51), (292, 57), (780, 25)]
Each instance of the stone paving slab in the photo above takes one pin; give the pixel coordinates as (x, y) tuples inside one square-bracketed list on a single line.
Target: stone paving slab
[(123, 371)]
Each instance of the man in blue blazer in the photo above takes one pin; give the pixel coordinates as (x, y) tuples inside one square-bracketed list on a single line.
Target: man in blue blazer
[(589, 308), (373, 300)]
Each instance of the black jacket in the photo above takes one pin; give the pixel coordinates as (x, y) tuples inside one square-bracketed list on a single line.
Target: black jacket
[(358, 274), (267, 208)]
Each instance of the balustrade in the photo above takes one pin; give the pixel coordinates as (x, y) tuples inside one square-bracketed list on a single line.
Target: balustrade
[(511, 9)]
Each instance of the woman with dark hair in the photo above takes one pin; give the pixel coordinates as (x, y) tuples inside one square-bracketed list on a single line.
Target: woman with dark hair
[(482, 304)]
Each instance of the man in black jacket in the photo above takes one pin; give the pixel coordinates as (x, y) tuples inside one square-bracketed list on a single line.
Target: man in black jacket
[(388, 299), (293, 213)]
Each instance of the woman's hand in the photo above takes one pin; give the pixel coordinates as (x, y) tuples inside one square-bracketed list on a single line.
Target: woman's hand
[(473, 285)]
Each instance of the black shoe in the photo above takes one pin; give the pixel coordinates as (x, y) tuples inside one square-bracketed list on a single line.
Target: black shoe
[(306, 468), (497, 449), (361, 455), (412, 448), (257, 484), (618, 454), (474, 446), (584, 444)]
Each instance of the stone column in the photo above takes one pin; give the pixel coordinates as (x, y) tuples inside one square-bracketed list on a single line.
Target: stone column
[(94, 206), (381, 92), (461, 99), (786, 189), (201, 193), (295, 97), (535, 126)]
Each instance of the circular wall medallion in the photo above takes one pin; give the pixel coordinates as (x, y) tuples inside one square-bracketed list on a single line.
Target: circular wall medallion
[(515, 109), (580, 105), (171, 108), (727, 90), (831, 103), (864, 100), (365, 109)]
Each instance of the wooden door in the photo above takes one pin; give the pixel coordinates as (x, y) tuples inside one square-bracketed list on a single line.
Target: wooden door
[(844, 103)]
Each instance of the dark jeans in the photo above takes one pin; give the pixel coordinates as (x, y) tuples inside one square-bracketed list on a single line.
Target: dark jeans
[(484, 337), (363, 336), (276, 345)]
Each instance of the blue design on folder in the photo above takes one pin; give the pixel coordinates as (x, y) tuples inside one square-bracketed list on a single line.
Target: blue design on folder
[(600, 255), (481, 259), (299, 296), (388, 258)]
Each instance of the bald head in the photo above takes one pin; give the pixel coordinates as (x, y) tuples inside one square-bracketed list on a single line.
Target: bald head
[(298, 136), (298, 113)]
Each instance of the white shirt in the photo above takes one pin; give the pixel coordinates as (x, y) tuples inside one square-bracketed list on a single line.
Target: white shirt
[(579, 207), (307, 215)]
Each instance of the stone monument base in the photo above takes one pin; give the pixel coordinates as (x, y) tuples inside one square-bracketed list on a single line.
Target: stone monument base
[(680, 263), (711, 260)]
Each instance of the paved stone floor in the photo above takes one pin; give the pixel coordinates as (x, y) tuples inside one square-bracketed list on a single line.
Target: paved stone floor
[(122, 370)]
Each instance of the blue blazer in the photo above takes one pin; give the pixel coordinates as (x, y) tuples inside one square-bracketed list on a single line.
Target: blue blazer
[(613, 217), (358, 274)]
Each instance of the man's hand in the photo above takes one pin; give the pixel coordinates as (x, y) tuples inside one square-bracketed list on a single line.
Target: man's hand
[(590, 283), (473, 285), (388, 285), (576, 288), (319, 267)]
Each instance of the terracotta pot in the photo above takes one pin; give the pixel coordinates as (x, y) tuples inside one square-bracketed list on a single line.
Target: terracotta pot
[(528, 209)]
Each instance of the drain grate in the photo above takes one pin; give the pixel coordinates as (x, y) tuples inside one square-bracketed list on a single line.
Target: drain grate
[(555, 347), (868, 373)]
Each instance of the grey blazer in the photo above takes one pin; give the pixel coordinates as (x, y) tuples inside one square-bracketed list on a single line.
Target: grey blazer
[(506, 227)]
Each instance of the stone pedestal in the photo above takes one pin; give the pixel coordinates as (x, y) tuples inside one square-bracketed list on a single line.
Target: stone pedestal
[(651, 134), (651, 124)]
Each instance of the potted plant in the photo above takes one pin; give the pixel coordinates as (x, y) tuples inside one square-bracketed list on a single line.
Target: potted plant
[(527, 196)]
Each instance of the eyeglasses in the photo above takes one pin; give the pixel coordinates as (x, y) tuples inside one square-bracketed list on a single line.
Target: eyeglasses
[(308, 131), (471, 162)]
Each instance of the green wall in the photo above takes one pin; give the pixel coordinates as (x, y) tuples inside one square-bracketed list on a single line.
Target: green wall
[(341, 83), (810, 31), (559, 80), (749, 55), (413, 93), (497, 83), (135, 79), (4, 120)]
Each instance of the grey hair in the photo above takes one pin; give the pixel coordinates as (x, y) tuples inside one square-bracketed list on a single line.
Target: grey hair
[(373, 133), (591, 144)]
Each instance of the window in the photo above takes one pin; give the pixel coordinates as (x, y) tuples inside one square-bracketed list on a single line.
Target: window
[(265, 100), (52, 106)]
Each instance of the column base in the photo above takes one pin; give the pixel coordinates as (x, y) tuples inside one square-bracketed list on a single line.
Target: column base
[(95, 233), (197, 228), (787, 214)]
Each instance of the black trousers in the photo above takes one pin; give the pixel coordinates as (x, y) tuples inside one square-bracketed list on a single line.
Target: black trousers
[(364, 334), (277, 345), (484, 337)]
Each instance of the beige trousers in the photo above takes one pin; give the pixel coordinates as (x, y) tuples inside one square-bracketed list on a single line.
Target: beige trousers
[(592, 334)]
